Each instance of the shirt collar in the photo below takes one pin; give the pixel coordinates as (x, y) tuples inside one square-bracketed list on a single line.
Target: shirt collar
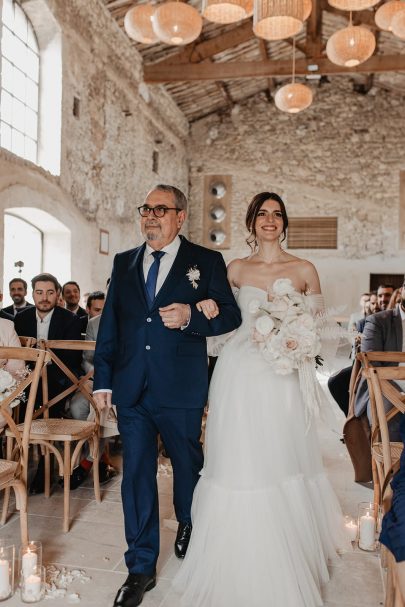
[(170, 248), (46, 319)]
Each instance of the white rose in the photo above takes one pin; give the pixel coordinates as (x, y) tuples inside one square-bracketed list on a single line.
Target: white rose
[(254, 306), (283, 286), (283, 366), (6, 380), (306, 321), (264, 325)]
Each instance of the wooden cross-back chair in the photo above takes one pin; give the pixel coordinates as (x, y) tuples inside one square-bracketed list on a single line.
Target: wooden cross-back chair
[(385, 453), (27, 342), (14, 468), (45, 431)]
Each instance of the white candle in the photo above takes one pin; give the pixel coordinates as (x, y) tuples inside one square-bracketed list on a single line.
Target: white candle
[(4, 579), (29, 562), (31, 590), (352, 530), (367, 532)]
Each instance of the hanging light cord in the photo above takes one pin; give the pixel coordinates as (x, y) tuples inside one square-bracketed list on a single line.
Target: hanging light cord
[(293, 69)]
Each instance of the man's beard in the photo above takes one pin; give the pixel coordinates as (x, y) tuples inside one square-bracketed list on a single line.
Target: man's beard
[(152, 236), (18, 299)]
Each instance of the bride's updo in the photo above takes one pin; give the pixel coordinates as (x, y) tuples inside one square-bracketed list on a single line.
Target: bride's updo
[(253, 210)]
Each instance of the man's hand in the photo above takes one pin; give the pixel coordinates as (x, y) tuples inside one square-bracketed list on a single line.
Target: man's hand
[(208, 307), (103, 400), (175, 316)]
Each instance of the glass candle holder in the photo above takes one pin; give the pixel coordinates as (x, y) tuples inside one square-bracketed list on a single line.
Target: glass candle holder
[(367, 524), (30, 557), (351, 528), (7, 554), (33, 586)]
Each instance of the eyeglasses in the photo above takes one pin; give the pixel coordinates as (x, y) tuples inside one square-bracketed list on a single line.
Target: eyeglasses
[(158, 211)]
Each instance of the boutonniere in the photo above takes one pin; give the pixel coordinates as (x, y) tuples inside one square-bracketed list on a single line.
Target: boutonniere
[(194, 276)]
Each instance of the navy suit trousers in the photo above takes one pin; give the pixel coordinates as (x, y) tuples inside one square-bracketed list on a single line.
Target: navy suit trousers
[(180, 430)]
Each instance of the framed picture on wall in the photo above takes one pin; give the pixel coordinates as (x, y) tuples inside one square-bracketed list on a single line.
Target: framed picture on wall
[(104, 246)]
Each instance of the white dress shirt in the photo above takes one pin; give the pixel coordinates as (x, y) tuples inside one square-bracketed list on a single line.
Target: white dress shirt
[(43, 325), (166, 261)]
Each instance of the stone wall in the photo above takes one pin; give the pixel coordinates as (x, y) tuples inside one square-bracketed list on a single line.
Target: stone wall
[(106, 151), (341, 157)]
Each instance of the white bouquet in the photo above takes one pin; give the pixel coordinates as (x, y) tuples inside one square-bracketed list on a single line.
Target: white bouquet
[(285, 330), (288, 334), (8, 383)]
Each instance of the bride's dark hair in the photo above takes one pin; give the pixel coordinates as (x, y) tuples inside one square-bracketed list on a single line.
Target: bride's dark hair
[(254, 208)]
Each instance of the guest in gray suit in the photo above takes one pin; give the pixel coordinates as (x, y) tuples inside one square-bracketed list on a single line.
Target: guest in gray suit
[(383, 332)]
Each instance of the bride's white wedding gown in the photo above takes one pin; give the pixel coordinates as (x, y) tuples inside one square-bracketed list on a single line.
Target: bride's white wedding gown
[(265, 518)]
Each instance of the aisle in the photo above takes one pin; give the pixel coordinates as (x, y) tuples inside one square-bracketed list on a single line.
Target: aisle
[(96, 541)]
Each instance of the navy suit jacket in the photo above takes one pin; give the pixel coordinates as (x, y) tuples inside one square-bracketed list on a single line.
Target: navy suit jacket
[(10, 309), (135, 350)]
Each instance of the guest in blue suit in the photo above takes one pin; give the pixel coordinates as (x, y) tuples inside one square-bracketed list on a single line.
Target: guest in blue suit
[(393, 525), (151, 362)]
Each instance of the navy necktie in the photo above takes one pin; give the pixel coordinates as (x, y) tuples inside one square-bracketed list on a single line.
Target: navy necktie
[(152, 275)]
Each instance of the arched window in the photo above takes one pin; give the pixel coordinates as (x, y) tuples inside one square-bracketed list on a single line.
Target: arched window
[(19, 83)]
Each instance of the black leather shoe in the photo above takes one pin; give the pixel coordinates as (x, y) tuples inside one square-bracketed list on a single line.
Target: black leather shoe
[(106, 473), (131, 592), (38, 482), (78, 477), (182, 540)]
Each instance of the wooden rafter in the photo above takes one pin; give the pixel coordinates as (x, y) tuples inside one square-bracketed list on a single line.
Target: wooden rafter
[(314, 31), (268, 69)]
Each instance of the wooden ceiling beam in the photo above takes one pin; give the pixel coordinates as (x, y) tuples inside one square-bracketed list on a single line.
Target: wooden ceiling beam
[(208, 48), (159, 73)]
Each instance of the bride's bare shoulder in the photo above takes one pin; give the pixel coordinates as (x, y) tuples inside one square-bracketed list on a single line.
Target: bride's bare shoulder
[(235, 269)]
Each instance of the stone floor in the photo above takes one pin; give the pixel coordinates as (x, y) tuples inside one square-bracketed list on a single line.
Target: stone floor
[(96, 541)]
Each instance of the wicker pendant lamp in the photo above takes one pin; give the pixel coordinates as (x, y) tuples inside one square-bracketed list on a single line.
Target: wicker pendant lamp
[(226, 11), (350, 46), (138, 24), (398, 25), (278, 19), (293, 97), (176, 23), (307, 8), (386, 13), (352, 5)]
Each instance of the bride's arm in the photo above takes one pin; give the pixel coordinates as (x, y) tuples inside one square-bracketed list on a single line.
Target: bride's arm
[(312, 282)]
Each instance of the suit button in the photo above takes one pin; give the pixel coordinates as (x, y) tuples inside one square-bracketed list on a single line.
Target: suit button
[(148, 320), (147, 347)]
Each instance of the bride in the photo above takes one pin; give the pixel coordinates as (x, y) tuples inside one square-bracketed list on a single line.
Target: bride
[(265, 518)]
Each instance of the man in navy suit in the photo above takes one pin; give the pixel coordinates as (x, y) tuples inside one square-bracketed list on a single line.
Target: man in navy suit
[(18, 291), (151, 355)]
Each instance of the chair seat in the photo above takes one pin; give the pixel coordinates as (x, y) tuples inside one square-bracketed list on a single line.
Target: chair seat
[(60, 429), (8, 470), (396, 450)]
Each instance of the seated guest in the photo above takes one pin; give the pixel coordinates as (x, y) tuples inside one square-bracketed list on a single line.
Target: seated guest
[(364, 299), (80, 409), (371, 307), (95, 303), (395, 299), (384, 293), (18, 291), (383, 332), (46, 320), (393, 525), (71, 296)]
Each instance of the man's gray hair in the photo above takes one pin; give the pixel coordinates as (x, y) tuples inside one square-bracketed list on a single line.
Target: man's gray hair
[(179, 198)]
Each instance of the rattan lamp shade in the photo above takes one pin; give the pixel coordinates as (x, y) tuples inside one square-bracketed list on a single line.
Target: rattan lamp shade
[(278, 19), (352, 5), (229, 11), (398, 25), (293, 98), (138, 24), (307, 9), (176, 23), (386, 13), (350, 46)]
